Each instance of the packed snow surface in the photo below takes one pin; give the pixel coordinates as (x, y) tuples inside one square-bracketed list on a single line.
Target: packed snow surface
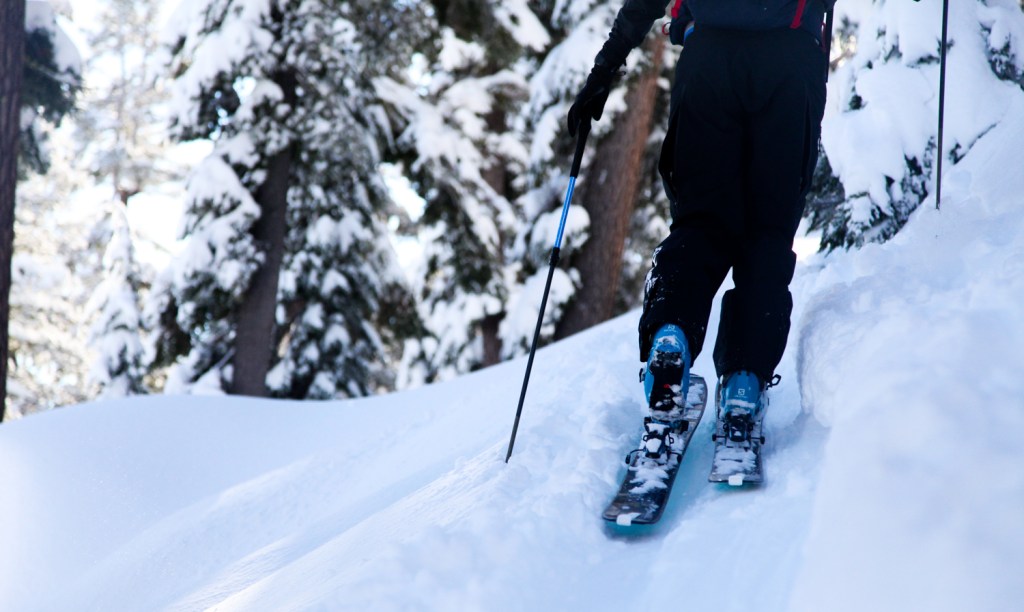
[(894, 465)]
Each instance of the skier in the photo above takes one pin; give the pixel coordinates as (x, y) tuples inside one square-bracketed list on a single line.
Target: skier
[(736, 163)]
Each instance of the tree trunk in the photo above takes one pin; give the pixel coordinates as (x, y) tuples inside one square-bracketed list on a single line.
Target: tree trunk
[(254, 339), (12, 60), (609, 192), (496, 176), (489, 327)]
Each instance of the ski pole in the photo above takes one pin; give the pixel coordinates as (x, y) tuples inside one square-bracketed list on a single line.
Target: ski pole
[(942, 100), (826, 42), (581, 140)]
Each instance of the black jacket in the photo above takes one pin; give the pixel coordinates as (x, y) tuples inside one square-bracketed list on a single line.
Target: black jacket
[(636, 17)]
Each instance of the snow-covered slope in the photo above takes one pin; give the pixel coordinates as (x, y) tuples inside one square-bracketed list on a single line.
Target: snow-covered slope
[(895, 466), (911, 354)]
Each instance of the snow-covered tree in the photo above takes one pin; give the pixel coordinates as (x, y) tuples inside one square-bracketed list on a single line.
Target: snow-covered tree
[(39, 68), (483, 139), (52, 78), (54, 270), (890, 87), (122, 142), (458, 144), (287, 265), (115, 333), (620, 205), (122, 132)]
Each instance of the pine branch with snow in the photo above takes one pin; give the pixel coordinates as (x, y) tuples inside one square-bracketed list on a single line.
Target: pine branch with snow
[(52, 79), (458, 143), (890, 86)]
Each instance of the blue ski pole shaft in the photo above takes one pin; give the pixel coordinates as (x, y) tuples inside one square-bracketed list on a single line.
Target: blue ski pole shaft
[(581, 140)]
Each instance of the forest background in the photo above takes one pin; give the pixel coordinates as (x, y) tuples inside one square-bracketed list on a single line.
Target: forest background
[(322, 199)]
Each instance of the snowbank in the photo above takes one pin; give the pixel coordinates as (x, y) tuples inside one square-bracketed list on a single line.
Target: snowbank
[(911, 353)]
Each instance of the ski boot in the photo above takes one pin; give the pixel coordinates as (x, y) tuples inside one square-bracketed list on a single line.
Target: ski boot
[(667, 376), (668, 429), (741, 402)]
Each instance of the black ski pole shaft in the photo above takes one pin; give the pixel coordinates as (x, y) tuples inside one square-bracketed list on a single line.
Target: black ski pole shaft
[(942, 101), (581, 141)]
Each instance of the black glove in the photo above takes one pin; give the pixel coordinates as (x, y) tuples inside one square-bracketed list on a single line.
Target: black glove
[(589, 104)]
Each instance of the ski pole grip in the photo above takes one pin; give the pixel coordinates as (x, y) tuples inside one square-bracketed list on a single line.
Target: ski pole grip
[(581, 143)]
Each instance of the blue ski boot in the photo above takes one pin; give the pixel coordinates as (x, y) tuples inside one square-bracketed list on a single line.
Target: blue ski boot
[(667, 375), (741, 401)]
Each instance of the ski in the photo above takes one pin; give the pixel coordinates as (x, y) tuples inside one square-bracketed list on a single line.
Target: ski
[(651, 468), (738, 441)]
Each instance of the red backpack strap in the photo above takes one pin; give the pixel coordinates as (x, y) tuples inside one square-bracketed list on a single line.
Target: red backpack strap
[(798, 17), (678, 6)]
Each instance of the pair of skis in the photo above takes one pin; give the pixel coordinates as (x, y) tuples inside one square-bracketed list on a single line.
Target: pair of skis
[(652, 468)]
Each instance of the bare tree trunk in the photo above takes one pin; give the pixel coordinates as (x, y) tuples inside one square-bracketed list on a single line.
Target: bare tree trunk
[(12, 60), (609, 193), (254, 338)]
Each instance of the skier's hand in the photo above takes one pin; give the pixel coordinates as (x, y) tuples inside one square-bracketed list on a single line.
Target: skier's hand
[(589, 104)]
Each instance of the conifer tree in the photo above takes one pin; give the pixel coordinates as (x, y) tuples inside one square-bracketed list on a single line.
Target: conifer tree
[(122, 142), (484, 141), (115, 333), (122, 134), (39, 77), (55, 266), (287, 270), (51, 82), (458, 143), (12, 54)]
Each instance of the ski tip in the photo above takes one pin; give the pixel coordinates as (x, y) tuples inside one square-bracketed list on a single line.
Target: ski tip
[(736, 480)]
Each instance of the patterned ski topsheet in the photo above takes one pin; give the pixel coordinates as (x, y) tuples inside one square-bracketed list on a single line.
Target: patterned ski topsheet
[(645, 489)]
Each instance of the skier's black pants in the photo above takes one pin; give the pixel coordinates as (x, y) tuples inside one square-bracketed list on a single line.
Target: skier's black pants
[(737, 162)]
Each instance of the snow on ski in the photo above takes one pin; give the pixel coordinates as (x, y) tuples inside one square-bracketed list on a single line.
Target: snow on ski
[(652, 467), (737, 459)]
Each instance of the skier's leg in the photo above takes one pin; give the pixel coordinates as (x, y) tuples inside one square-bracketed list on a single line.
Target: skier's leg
[(688, 268), (702, 159), (756, 313), (786, 106)]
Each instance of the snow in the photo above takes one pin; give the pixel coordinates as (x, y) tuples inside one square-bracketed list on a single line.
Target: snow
[(241, 34), (895, 476), (938, 335), (40, 15), (456, 53), (577, 224), (516, 17), (520, 322)]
